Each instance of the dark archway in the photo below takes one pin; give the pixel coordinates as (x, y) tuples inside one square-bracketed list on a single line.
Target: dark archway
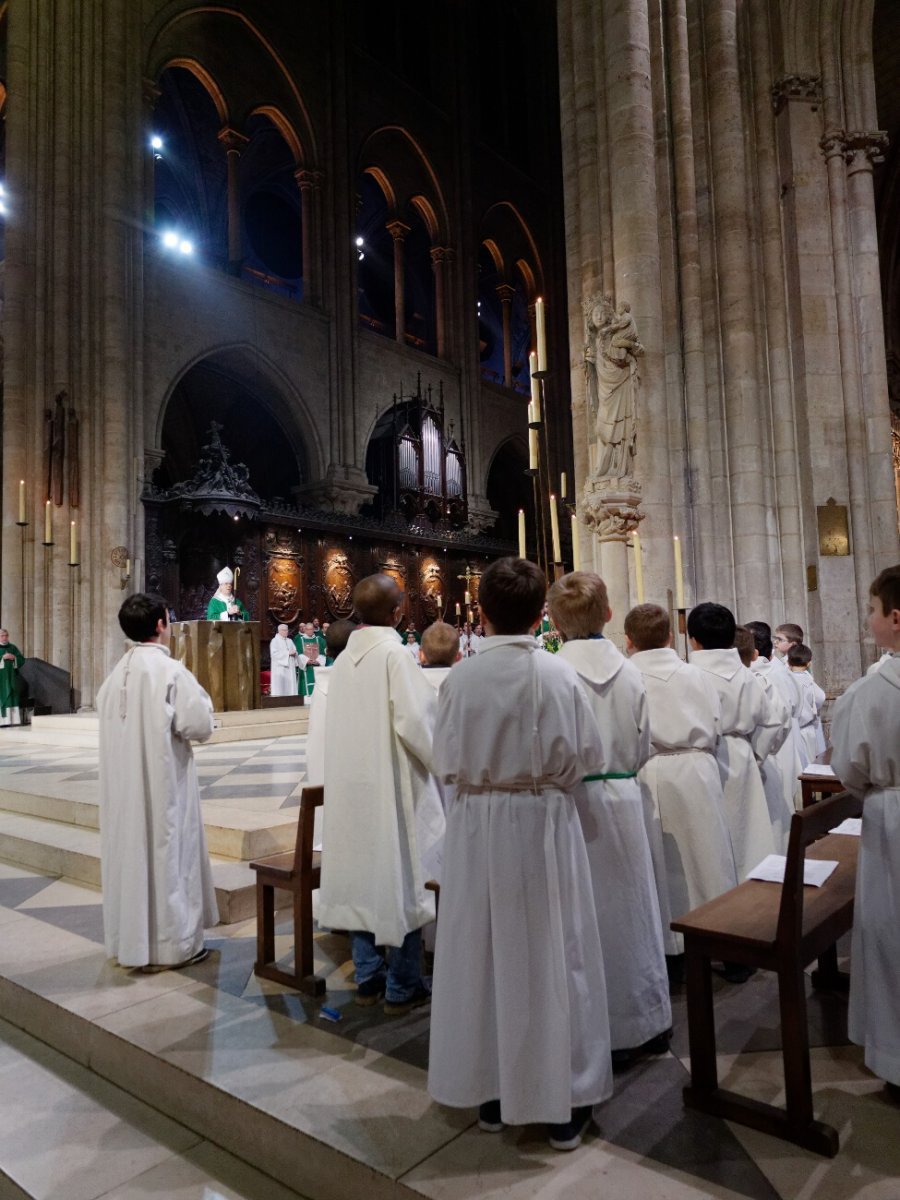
[(509, 489)]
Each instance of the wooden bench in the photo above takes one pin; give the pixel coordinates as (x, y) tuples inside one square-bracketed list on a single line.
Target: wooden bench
[(781, 930), (297, 872), (812, 785)]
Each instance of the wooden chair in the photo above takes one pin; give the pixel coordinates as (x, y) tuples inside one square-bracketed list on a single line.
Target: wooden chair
[(780, 930), (297, 872)]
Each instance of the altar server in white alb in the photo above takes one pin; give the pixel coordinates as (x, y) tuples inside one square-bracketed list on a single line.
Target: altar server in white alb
[(865, 738), (283, 658), (158, 891), (384, 821), (612, 818), (681, 782), (812, 698), (791, 755), (519, 1021), (751, 729)]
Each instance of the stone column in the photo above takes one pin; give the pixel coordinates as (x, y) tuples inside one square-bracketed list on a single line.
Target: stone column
[(506, 294), (441, 257), (398, 231), (743, 409), (234, 143), (862, 150), (309, 183)]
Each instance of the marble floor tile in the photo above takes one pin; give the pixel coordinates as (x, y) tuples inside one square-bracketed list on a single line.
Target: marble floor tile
[(519, 1165), (67, 1133), (204, 1172), (63, 892), (845, 1095)]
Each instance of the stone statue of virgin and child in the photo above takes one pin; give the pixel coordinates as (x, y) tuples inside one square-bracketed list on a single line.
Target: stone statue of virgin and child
[(611, 351)]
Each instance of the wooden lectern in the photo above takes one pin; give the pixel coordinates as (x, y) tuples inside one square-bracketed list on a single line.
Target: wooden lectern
[(224, 657)]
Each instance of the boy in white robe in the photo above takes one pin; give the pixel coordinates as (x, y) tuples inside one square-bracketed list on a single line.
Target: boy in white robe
[(519, 1020), (680, 782), (383, 815), (283, 664), (751, 729), (812, 697), (612, 818), (158, 892), (784, 639), (791, 755), (439, 652), (865, 738), (335, 642)]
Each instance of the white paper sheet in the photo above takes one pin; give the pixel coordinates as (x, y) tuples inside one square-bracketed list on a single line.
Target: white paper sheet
[(819, 769), (852, 825), (772, 868)]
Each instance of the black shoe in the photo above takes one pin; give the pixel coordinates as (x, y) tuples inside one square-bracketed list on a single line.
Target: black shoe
[(893, 1091), (399, 1008), (736, 972), (371, 992), (569, 1135), (622, 1059), (489, 1118), (658, 1044)]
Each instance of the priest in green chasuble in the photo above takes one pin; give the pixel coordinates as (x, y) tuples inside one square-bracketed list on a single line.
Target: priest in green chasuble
[(307, 658), (225, 606), (11, 658)]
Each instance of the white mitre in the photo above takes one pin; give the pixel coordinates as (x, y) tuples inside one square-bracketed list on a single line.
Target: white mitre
[(226, 575)]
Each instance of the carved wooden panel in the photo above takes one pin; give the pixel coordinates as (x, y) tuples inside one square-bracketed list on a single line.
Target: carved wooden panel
[(338, 582), (283, 590), (432, 589)]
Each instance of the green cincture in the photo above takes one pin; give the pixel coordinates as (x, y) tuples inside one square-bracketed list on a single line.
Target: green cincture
[(611, 775)]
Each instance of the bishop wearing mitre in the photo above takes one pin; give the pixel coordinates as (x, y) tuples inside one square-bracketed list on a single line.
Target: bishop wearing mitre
[(225, 606)]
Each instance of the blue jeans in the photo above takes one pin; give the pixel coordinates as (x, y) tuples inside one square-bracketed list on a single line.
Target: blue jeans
[(404, 969)]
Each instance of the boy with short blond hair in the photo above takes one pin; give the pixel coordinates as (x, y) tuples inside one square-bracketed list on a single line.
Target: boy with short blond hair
[(439, 651), (611, 812), (865, 735), (681, 785)]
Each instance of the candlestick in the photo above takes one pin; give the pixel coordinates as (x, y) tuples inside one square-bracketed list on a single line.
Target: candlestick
[(562, 486), (554, 529), (522, 533), (48, 525), (679, 575), (73, 545), (638, 569), (576, 544), (21, 501), (535, 388), (541, 334)]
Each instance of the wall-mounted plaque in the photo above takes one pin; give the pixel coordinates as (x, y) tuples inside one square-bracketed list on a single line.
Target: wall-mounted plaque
[(834, 528)]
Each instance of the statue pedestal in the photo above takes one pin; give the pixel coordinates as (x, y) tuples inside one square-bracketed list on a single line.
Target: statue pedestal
[(224, 657)]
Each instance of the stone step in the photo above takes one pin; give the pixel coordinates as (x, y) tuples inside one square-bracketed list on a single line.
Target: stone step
[(123, 1143), (82, 729), (74, 851), (230, 833)]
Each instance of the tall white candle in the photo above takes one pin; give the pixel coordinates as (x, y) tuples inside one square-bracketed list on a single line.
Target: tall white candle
[(48, 524), (679, 575), (535, 388), (73, 545), (467, 599), (562, 487), (541, 334), (532, 450), (638, 569), (576, 544), (554, 529), (21, 501), (522, 533)]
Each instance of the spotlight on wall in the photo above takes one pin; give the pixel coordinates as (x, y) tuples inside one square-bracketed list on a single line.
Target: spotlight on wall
[(185, 246), (360, 242), (174, 241), (156, 142), (170, 239)]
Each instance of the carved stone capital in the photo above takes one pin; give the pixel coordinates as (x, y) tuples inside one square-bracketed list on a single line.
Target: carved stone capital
[(441, 254), (308, 180), (343, 489), (233, 141), (610, 508), (833, 142), (863, 149), (805, 88), (398, 230), (506, 292)]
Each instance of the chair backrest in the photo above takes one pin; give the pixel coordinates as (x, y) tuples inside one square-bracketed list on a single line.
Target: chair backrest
[(311, 798), (806, 827)]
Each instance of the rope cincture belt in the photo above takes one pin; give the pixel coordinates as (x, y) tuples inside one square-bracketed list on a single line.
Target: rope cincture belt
[(610, 775)]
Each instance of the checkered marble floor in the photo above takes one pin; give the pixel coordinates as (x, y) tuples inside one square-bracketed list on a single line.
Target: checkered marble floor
[(646, 1145)]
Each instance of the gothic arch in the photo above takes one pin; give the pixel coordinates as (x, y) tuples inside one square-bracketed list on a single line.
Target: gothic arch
[(243, 365), (510, 240), (392, 154), (205, 78)]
